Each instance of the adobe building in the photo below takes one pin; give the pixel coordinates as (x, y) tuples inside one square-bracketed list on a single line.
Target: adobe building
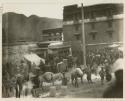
[(54, 34), (103, 25)]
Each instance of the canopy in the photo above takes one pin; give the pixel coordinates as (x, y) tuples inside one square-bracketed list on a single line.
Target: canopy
[(58, 44), (113, 46), (33, 58), (55, 45)]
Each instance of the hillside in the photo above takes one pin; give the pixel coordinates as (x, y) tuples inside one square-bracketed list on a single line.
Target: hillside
[(18, 27)]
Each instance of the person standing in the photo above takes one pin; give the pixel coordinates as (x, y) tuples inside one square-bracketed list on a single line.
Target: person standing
[(102, 75), (19, 85), (89, 74), (64, 80), (107, 70)]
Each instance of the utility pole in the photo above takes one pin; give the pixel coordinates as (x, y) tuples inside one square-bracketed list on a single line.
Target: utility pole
[(83, 36)]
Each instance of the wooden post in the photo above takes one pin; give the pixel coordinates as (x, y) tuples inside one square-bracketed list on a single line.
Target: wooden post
[(83, 37)]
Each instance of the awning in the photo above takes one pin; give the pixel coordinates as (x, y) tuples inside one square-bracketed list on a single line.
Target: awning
[(58, 45), (33, 58), (55, 44), (113, 46)]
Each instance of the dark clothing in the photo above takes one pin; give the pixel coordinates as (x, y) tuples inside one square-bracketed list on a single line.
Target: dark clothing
[(36, 81), (108, 75), (102, 75), (88, 72), (115, 90), (64, 81), (88, 76), (19, 86)]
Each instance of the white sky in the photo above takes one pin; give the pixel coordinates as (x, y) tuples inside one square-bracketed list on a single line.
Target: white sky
[(46, 8)]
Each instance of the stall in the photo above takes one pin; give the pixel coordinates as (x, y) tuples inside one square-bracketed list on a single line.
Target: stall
[(34, 62), (34, 59)]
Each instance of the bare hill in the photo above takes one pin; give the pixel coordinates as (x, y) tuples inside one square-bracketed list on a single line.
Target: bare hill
[(17, 27)]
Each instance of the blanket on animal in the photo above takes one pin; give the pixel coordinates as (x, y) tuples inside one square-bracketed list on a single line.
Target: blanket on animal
[(77, 71)]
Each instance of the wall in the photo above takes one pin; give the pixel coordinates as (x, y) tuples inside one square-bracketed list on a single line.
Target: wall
[(101, 28)]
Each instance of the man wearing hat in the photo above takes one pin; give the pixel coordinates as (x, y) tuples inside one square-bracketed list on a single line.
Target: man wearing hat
[(115, 90)]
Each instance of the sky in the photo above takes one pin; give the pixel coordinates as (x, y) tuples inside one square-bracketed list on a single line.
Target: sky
[(46, 8)]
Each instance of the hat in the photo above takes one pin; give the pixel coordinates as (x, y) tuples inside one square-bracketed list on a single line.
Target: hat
[(118, 65)]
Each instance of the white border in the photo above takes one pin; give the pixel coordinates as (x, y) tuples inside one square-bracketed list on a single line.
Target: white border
[(46, 99)]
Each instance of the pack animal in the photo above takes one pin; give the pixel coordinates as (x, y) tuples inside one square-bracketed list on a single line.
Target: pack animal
[(75, 73), (49, 77)]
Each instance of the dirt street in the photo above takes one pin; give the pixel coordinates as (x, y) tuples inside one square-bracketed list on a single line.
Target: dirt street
[(85, 90)]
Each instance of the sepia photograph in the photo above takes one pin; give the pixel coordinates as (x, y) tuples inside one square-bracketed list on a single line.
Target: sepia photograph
[(63, 49)]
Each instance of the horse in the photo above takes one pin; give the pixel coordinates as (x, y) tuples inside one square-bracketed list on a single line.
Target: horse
[(49, 77), (75, 73)]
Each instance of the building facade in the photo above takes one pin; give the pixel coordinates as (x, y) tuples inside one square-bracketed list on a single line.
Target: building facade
[(52, 34), (103, 25), (55, 48)]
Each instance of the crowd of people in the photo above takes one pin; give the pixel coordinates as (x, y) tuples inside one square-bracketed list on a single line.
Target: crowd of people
[(98, 61)]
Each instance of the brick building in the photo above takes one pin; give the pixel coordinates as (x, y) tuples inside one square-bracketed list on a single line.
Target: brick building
[(52, 34), (103, 24)]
